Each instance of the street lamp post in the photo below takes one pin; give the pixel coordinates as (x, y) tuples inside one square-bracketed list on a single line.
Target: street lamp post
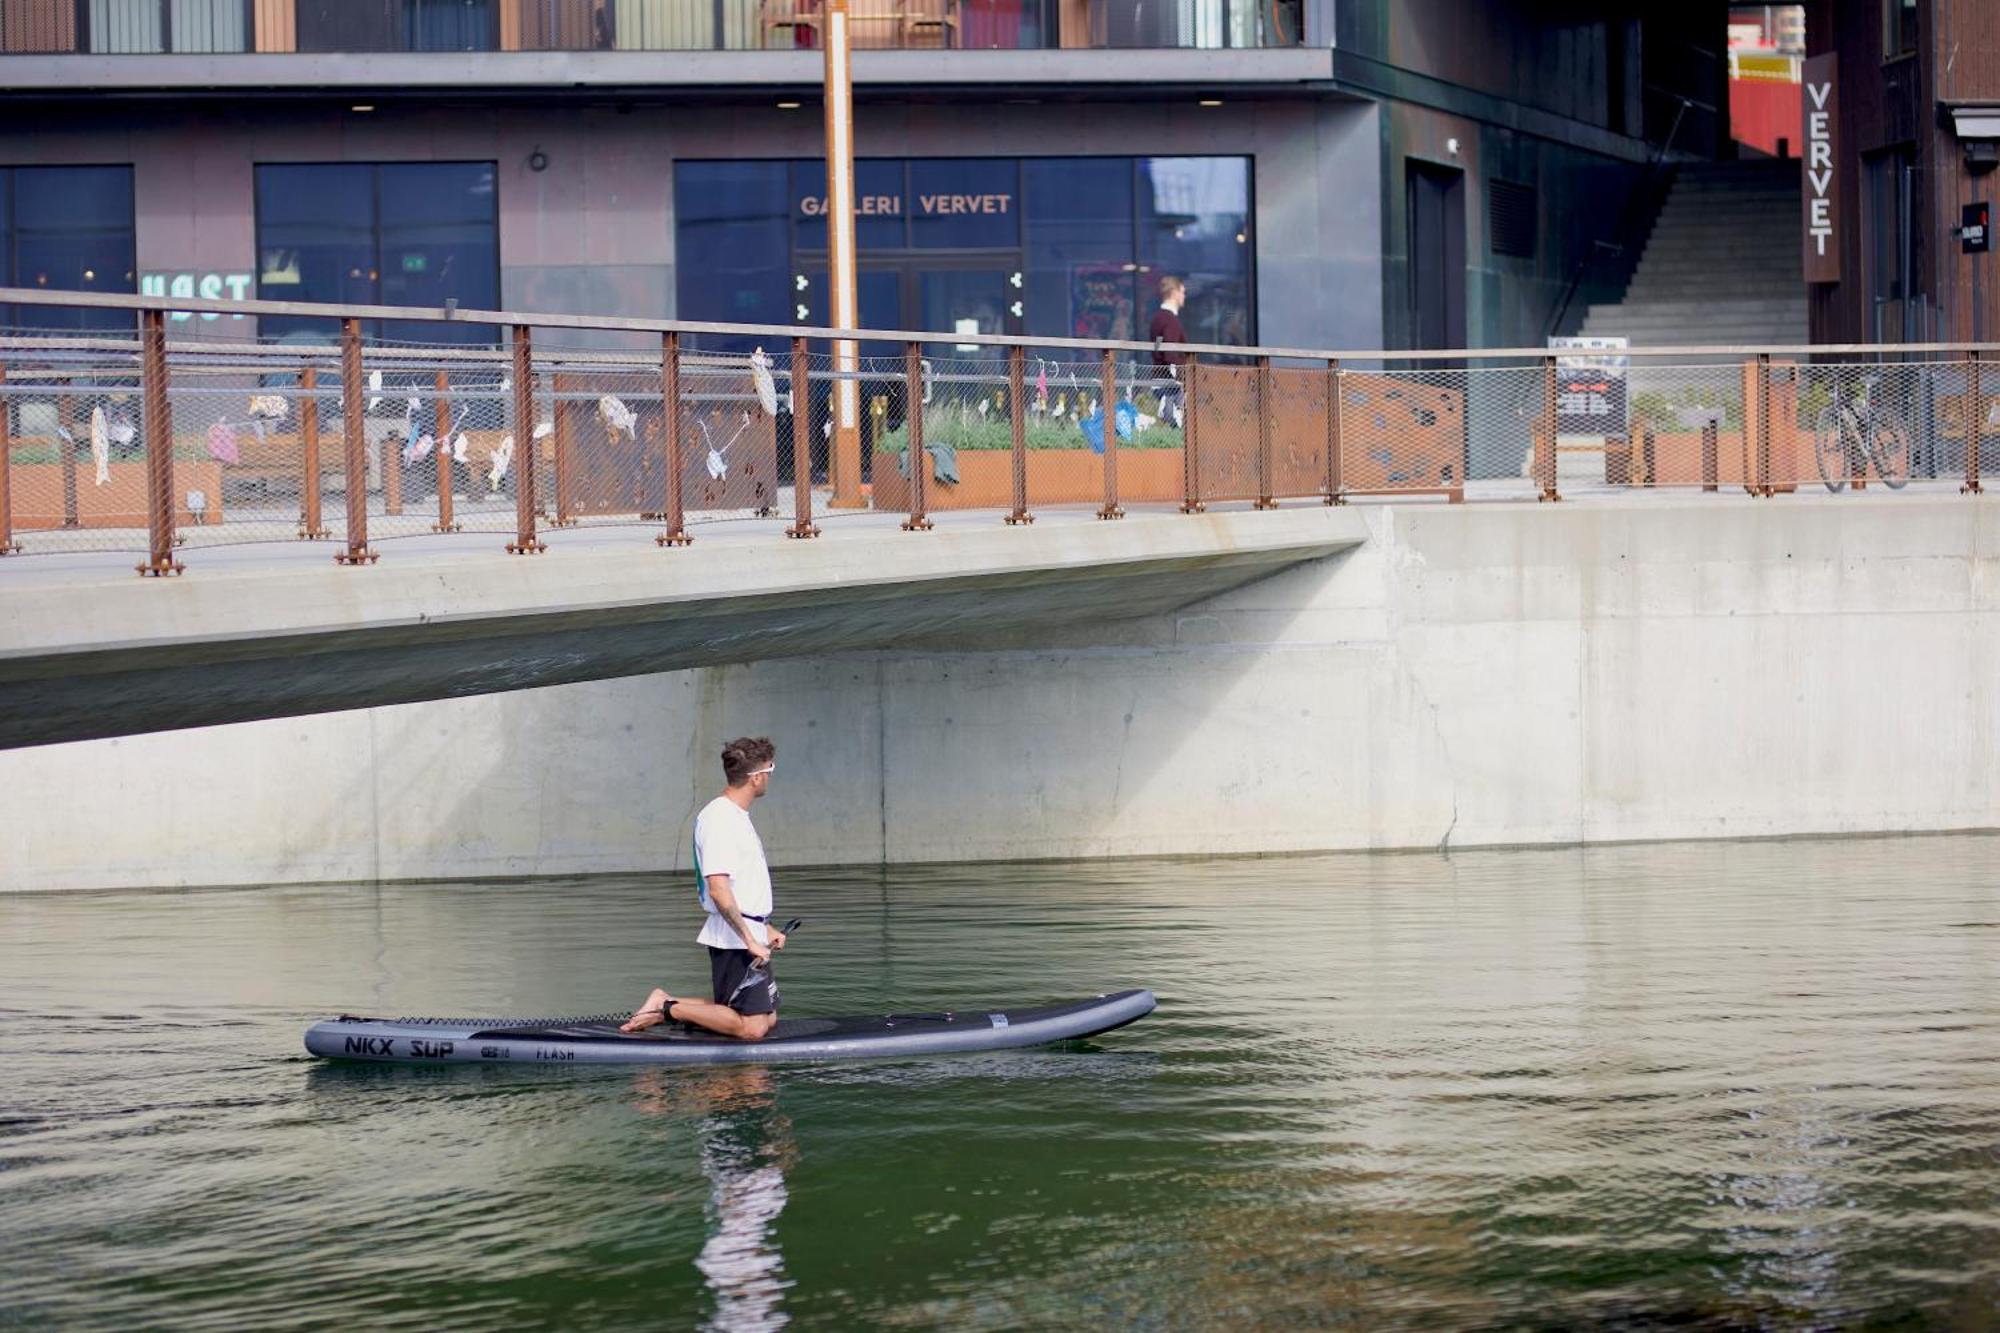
[(844, 457)]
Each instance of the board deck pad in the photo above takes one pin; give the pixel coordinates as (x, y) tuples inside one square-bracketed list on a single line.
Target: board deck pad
[(596, 1038)]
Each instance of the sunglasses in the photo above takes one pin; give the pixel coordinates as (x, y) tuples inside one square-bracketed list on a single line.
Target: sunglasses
[(760, 772)]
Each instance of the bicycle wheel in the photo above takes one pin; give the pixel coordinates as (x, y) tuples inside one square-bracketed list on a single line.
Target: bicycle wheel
[(1830, 449), (1888, 441)]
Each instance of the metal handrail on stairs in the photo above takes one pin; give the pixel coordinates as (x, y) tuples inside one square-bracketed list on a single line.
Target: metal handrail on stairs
[(1644, 188)]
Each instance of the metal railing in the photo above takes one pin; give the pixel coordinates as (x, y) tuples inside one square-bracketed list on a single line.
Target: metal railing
[(179, 435), (139, 27)]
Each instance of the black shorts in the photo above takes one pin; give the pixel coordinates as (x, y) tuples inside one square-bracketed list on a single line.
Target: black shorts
[(746, 989)]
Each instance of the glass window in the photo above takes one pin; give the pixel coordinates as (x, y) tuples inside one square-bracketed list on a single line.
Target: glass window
[(732, 254), (450, 25), (878, 204), (1081, 261), (965, 204), (69, 229), (403, 233), (1194, 223), (1899, 28)]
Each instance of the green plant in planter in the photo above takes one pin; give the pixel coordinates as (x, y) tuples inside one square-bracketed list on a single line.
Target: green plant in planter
[(968, 432)]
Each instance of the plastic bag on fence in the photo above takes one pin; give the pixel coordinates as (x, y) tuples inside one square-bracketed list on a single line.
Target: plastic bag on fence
[(1125, 418)]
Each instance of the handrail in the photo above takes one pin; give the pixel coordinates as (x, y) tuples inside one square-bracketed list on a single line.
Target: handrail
[(610, 323)]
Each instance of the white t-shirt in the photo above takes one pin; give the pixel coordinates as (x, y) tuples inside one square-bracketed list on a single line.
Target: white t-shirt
[(726, 843)]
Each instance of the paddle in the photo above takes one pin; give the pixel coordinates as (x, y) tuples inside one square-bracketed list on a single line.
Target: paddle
[(785, 929)]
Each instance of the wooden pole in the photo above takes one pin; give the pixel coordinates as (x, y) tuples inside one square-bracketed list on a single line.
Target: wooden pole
[(525, 541), (913, 422), (802, 463), (1108, 390), (1265, 382), (1334, 478), (1017, 420), (354, 446), (670, 412), (445, 473), (159, 445), (8, 546), (312, 524)]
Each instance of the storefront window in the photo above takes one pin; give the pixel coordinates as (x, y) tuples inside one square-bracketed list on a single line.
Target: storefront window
[(732, 244), (402, 233), (1060, 247), (68, 229)]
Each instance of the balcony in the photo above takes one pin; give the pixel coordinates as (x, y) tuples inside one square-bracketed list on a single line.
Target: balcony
[(214, 27)]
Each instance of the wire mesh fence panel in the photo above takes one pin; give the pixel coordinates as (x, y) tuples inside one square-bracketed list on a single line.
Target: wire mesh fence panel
[(1062, 430), (1408, 431), (1690, 425), (607, 454), (1865, 424), (77, 442), (1300, 432), (730, 404)]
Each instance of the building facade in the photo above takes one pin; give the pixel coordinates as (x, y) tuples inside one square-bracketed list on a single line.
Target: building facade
[(1909, 91), (1328, 173)]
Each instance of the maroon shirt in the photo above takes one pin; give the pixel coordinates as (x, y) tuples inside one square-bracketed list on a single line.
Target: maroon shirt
[(1166, 328)]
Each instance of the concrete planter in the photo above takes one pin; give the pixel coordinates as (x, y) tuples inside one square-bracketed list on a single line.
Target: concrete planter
[(1055, 476)]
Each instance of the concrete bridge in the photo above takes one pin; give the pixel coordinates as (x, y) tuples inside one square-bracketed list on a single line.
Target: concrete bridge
[(88, 651)]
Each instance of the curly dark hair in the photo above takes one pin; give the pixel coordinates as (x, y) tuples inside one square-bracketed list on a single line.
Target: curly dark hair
[(745, 755)]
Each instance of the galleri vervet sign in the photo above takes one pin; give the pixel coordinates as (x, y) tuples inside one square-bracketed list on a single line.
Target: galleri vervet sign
[(1820, 91)]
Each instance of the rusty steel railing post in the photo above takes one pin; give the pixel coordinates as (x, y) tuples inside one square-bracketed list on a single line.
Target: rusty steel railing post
[(563, 441), (1334, 477), (802, 454), (66, 447), (1017, 421), (1975, 421), (913, 421), (1648, 459), (8, 546), (675, 514), (446, 482), (354, 446), (1191, 502), (312, 525), (525, 541), (159, 445), (1711, 450), (1266, 381), (1546, 438), (1759, 414), (1109, 390)]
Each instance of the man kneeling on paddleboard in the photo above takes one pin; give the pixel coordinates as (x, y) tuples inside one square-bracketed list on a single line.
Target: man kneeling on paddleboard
[(736, 892)]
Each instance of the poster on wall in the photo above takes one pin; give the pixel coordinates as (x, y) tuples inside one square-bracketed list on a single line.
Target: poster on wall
[(1590, 389), (1100, 301)]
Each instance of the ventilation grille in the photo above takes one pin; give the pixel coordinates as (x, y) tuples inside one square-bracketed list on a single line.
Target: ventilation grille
[(1510, 218)]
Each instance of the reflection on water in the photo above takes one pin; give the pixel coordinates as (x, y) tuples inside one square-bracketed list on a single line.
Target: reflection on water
[(746, 1145), (1726, 1085)]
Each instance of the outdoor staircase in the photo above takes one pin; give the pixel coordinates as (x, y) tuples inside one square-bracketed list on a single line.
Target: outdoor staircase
[(1724, 263)]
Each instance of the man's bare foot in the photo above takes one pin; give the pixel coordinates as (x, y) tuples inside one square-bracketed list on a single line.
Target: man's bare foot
[(651, 1014)]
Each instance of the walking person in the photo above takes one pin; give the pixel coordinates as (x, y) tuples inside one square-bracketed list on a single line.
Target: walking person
[(735, 891), (1166, 327)]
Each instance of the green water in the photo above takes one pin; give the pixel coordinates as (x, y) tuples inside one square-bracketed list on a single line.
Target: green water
[(1694, 1086)]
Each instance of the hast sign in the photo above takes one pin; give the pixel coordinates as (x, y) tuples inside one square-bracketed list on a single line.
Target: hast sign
[(1820, 92)]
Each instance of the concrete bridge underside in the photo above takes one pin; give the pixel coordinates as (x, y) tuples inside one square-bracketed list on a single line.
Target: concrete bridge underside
[(254, 633)]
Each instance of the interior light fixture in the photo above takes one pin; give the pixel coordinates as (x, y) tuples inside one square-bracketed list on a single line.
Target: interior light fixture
[(788, 106), (362, 106), (1211, 101)]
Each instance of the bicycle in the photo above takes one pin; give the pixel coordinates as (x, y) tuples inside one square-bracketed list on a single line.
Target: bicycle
[(1846, 433)]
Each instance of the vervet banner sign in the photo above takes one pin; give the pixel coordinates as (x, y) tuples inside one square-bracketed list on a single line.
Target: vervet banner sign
[(1820, 90)]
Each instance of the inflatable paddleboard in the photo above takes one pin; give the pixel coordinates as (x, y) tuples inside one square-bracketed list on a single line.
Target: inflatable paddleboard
[(597, 1040)]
